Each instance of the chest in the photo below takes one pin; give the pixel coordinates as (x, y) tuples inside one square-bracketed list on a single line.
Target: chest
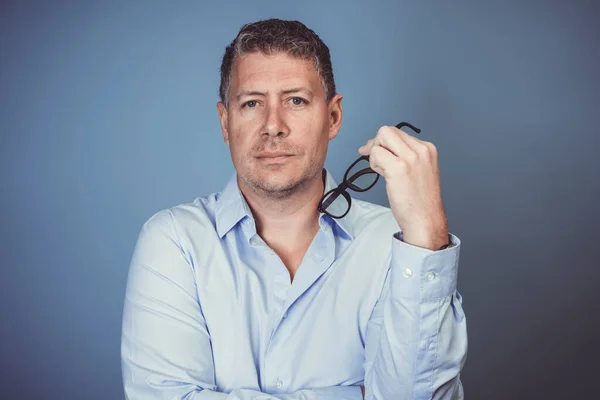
[(275, 334)]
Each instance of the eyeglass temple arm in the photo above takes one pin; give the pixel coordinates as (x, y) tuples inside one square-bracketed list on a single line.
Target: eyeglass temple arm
[(403, 124)]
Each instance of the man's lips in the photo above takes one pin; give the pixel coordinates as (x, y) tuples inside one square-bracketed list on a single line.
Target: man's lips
[(274, 155)]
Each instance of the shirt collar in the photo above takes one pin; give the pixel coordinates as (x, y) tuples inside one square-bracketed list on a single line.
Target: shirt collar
[(231, 207)]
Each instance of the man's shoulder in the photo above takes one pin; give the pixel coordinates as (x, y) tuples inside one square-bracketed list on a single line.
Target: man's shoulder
[(196, 216)]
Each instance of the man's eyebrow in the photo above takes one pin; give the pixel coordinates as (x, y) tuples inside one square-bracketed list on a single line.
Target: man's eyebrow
[(298, 89), (245, 93), (248, 93)]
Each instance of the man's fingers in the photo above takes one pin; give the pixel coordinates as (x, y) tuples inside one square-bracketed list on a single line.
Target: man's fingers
[(400, 144), (392, 139), (382, 161), (365, 149)]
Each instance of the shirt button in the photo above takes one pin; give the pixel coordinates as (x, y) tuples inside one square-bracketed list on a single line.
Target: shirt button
[(407, 272), (279, 384), (430, 276)]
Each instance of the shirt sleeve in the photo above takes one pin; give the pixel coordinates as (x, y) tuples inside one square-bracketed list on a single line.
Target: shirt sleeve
[(165, 345), (416, 340), (326, 393)]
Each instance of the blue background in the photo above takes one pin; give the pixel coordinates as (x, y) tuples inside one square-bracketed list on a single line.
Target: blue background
[(108, 115)]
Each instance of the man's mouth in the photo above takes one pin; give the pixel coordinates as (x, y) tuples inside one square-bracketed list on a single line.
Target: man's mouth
[(274, 157), (277, 154)]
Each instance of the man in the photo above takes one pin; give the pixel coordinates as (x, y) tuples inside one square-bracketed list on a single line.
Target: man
[(253, 293)]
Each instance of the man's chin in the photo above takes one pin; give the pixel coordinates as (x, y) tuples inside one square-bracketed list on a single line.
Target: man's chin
[(276, 186)]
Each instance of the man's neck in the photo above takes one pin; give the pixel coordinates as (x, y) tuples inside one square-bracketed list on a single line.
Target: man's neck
[(290, 222)]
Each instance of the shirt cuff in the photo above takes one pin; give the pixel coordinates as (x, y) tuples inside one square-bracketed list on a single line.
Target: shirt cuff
[(422, 274), (339, 393)]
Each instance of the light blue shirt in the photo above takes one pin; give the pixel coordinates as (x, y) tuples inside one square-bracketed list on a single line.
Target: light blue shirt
[(210, 312)]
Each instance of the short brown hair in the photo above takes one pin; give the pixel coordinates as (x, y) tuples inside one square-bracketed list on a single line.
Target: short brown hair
[(276, 35)]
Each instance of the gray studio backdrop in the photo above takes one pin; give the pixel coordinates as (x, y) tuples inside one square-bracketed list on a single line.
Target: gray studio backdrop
[(108, 115)]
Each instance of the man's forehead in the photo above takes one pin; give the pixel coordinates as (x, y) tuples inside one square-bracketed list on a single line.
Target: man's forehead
[(275, 68)]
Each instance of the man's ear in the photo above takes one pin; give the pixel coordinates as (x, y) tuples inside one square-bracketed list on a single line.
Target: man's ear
[(335, 115), (223, 119)]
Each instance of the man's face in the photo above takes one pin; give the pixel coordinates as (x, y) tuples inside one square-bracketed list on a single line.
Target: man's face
[(278, 123)]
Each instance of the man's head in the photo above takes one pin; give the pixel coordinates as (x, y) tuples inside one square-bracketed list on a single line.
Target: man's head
[(278, 97)]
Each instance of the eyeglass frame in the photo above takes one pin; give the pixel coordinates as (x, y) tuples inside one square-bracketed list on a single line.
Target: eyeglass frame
[(342, 188)]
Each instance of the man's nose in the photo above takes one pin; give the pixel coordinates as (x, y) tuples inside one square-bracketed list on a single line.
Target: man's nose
[(275, 124)]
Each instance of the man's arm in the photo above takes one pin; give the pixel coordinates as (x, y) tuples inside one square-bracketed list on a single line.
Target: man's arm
[(165, 349), (416, 341)]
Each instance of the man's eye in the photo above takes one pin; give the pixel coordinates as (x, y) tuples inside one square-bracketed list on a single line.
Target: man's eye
[(251, 103), (297, 101)]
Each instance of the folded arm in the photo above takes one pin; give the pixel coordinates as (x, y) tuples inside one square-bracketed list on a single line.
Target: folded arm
[(416, 342), (166, 350)]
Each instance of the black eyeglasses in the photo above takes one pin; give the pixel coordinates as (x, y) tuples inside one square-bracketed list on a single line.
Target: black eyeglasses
[(359, 179)]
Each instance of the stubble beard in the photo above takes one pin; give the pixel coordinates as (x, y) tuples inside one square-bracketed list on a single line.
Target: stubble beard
[(281, 190)]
